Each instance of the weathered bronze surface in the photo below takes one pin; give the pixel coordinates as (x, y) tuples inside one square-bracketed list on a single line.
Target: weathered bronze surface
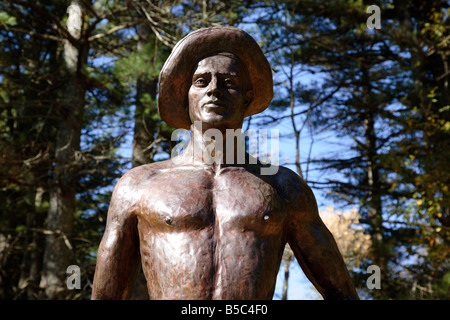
[(213, 231)]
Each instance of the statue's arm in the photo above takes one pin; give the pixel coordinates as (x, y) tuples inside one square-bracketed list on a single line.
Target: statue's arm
[(315, 248), (118, 254)]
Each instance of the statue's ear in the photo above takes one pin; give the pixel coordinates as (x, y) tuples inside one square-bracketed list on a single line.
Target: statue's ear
[(249, 96)]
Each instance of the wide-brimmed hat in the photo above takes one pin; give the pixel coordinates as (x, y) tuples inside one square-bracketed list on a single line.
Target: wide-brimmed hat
[(176, 74)]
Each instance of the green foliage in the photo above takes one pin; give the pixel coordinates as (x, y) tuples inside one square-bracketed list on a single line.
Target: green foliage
[(32, 86), (143, 63), (389, 99), (7, 20)]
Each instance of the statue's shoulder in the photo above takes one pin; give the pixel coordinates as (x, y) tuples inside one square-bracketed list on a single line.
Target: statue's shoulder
[(291, 186), (136, 182), (142, 175)]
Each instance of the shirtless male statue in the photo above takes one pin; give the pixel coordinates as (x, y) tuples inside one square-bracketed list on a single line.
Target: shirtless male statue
[(212, 229)]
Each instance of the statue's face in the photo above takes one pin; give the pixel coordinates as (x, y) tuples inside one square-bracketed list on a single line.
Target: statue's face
[(217, 96)]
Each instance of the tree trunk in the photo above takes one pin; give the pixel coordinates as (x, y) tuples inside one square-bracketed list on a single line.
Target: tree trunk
[(29, 267), (374, 203), (288, 255), (36, 252), (143, 129), (57, 255)]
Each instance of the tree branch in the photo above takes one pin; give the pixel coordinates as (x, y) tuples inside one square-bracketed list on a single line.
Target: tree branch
[(115, 29)]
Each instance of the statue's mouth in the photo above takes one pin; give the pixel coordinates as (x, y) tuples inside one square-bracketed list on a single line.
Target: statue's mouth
[(215, 104)]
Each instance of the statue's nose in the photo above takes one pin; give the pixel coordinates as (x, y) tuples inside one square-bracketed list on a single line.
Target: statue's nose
[(213, 88)]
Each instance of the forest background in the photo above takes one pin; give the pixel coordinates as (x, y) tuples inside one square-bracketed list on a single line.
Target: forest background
[(363, 116)]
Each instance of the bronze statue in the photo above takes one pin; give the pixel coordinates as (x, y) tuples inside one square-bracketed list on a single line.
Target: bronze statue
[(213, 230)]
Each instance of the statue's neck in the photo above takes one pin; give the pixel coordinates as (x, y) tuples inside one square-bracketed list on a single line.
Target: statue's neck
[(215, 148)]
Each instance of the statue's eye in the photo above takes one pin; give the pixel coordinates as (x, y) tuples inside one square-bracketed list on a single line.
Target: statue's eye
[(229, 82), (200, 82)]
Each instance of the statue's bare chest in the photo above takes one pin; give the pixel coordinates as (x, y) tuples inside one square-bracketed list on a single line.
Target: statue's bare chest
[(180, 200)]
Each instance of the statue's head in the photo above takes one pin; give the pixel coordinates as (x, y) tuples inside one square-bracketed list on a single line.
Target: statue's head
[(214, 75), (220, 92)]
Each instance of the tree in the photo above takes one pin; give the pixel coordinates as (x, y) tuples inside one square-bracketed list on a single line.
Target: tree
[(421, 32), (45, 98), (385, 96), (62, 196), (30, 67)]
